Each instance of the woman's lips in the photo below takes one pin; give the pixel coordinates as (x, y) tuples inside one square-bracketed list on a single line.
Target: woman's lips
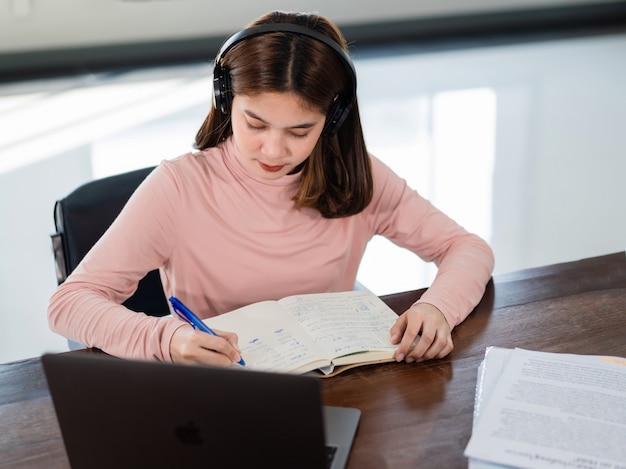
[(271, 169)]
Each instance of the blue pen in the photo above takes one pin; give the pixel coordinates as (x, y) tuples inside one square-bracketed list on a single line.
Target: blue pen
[(187, 315)]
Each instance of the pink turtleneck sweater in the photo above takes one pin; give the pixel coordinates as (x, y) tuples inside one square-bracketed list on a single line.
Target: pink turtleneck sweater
[(223, 238)]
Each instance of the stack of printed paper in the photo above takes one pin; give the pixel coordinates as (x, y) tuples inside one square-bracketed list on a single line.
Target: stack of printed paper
[(549, 410)]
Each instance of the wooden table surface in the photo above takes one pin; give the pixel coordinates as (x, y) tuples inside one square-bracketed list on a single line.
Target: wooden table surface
[(413, 415)]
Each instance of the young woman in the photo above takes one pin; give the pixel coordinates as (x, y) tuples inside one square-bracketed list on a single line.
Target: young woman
[(281, 198)]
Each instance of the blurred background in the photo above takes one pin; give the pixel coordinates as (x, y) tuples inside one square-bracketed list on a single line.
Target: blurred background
[(509, 116)]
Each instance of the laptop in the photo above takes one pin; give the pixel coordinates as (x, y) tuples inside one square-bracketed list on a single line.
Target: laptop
[(125, 413)]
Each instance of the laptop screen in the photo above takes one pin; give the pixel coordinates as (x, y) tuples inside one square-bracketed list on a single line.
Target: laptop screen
[(123, 413)]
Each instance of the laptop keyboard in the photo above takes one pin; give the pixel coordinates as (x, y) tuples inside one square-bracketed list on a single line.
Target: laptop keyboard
[(330, 455)]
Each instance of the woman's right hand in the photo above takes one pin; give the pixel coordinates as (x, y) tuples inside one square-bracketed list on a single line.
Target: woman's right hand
[(196, 347)]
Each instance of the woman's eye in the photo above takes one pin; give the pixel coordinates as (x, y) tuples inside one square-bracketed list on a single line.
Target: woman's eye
[(254, 127), (259, 127)]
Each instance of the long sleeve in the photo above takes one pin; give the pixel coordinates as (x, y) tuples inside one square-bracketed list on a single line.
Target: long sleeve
[(87, 306), (465, 261), (223, 238)]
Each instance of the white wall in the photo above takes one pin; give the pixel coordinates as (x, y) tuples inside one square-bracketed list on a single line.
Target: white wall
[(558, 190), (27, 274)]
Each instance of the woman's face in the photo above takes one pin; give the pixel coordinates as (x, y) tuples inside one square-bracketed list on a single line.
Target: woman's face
[(274, 132)]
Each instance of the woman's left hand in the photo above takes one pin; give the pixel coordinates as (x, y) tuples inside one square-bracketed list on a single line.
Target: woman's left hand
[(423, 333)]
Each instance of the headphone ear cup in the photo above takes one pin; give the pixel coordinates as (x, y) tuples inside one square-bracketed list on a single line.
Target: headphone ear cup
[(222, 91), (335, 117)]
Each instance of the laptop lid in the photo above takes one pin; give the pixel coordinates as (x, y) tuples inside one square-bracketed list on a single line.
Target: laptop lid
[(125, 413)]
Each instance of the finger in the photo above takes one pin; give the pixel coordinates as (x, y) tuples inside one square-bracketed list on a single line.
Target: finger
[(421, 343), (447, 347), (440, 346), (231, 337), (220, 344), (409, 339), (200, 347), (397, 330)]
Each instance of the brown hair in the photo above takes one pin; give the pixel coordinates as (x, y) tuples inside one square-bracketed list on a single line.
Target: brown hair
[(336, 178)]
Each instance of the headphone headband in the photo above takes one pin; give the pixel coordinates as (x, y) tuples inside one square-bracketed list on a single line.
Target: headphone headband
[(222, 91)]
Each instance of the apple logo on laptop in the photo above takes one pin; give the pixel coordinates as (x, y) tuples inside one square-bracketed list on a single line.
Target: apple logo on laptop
[(189, 434)]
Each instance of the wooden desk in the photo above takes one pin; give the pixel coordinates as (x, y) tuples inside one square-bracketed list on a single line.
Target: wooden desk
[(413, 416)]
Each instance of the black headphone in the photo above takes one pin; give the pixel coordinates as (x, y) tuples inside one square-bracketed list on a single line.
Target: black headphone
[(222, 91)]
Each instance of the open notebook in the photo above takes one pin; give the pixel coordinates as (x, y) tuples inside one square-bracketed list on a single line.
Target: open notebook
[(125, 413)]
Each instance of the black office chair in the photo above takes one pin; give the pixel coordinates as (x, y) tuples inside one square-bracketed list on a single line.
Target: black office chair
[(80, 220)]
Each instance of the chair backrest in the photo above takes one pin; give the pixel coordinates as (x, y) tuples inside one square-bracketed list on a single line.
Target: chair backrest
[(84, 215)]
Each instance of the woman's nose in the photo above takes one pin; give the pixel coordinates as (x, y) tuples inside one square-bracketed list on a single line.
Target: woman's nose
[(274, 145)]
